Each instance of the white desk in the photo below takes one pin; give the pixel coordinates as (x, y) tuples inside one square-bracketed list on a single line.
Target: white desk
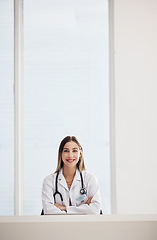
[(72, 227)]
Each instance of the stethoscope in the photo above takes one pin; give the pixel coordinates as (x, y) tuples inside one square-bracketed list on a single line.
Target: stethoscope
[(82, 190)]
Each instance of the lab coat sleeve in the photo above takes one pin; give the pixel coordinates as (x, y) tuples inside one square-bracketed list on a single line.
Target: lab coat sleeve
[(47, 197), (92, 191)]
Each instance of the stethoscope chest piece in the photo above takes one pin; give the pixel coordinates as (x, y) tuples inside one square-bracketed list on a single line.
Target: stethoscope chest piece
[(83, 191)]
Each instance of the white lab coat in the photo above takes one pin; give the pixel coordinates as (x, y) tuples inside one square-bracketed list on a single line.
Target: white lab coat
[(73, 195)]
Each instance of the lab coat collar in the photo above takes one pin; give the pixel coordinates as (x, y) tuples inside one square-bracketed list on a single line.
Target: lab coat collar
[(62, 180), (76, 179)]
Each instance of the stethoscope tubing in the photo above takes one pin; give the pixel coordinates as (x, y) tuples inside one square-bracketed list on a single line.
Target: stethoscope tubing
[(82, 190)]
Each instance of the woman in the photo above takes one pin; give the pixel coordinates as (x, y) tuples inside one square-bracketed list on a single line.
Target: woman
[(71, 190)]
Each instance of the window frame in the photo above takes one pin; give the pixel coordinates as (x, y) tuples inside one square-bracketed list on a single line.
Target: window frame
[(18, 107)]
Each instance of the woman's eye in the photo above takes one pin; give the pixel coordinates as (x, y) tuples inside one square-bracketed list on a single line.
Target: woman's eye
[(65, 150)]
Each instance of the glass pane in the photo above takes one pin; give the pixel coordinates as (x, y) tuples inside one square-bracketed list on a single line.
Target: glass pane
[(6, 108), (66, 90)]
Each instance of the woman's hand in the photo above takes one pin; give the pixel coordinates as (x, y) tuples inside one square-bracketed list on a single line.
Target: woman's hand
[(61, 207), (89, 200)]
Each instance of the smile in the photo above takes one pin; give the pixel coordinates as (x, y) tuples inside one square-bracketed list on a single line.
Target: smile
[(70, 160)]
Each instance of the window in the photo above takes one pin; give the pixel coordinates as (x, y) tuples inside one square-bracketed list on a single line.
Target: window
[(65, 90), (6, 108)]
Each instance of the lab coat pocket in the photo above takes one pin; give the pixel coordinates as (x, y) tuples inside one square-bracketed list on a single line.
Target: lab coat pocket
[(81, 199)]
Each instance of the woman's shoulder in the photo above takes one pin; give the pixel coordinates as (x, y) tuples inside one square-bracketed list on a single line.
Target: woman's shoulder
[(88, 176), (50, 177)]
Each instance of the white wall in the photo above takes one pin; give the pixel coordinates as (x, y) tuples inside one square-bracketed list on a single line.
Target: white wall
[(135, 59)]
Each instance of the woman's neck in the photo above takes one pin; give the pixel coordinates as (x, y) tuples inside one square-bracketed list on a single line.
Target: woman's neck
[(69, 173)]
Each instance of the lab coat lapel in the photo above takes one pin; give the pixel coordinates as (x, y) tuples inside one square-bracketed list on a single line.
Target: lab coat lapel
[(76, 179), (61, 180)]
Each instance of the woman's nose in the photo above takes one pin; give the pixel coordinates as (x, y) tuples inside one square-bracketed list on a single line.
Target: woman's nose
[(70, 154)]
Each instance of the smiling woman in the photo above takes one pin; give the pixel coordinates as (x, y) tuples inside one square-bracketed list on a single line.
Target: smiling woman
[(78, 189)]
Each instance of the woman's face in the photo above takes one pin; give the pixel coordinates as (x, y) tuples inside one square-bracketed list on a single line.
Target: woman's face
[(71, 154)]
